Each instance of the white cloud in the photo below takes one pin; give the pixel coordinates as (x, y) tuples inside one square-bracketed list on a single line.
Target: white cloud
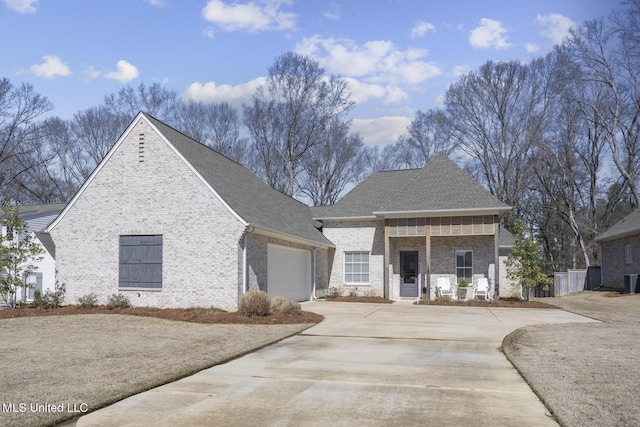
[(22, 6), (209, 32), (381, 130), (125, 73), (159, 3), (532, 47), (361, 92), (254, 16), (377, 61), (50, 68), (488, 34), (461, 70), (334, 11), (557, 26), (210, 92), (91, 73), (421, 29)]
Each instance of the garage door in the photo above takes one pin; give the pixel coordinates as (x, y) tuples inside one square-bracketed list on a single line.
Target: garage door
[(289, 273)]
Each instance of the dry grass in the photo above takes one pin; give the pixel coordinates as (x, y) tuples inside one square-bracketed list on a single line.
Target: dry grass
[(586, 373), (98, 359)]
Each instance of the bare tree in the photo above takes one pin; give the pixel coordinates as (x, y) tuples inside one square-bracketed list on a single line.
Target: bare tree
[(20, 107), (290, 116), (154, 99), (430, 134), (609, 59), (497, 114), (215, 125), (331, 165)]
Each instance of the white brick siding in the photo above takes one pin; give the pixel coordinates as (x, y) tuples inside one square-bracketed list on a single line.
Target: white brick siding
[(356, 236), (158, 195)]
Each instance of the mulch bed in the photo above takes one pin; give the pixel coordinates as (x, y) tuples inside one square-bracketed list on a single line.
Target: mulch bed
[(374, 300), (502, 302), (197, 315)]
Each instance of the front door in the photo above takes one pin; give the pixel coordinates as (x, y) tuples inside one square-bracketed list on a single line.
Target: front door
[(409, 274)]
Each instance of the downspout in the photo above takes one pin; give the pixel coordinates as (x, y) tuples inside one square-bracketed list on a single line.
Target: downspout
[(245, 272), (313, 291)]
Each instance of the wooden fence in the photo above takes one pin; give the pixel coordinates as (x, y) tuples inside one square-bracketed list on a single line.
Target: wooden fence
[(569, 282), (566, 283)]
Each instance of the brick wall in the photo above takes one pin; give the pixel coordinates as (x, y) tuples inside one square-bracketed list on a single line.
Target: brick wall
[(158, 195), (613, 260), (356, 236)]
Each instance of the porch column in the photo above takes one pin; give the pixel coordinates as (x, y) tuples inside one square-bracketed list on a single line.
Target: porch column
[(386, 259), (496, 256), (428, 256)]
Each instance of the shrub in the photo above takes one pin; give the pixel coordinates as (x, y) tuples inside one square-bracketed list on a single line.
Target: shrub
[(37, 299), (118, 301), (254, 303), (284, 306), (353, 292), (291, 307), (334, 292), (88, 301), (370, 293), (277, 303), (52, 299)]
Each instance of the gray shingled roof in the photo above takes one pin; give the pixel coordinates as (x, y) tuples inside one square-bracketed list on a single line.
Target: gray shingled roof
[(439, 186), (26, 211), (253, 200), (627, 226), (47, 242)]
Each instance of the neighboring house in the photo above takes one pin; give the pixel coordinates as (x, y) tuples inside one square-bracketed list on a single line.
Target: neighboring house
[(398, 231), (175, 224), (38, 217), (620, 250)]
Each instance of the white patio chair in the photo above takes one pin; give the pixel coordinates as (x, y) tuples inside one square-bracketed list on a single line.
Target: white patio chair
[(443, 287), (482, 288)]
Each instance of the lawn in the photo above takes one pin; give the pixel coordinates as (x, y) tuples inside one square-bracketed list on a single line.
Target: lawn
[(83, 362)]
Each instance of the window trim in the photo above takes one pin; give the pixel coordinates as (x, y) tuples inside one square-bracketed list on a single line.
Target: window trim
[(360, 273), (464, 268)]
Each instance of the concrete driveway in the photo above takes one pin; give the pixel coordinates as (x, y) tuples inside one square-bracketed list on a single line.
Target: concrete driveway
[(365, 365)]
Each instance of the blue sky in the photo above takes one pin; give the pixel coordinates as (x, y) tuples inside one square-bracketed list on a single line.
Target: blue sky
[(398, 56)]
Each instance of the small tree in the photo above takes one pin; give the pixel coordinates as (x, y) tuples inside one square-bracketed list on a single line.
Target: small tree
[(18, 254), (523, 263)]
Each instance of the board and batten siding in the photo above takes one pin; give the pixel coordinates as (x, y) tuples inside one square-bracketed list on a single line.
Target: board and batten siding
[(145, 188)]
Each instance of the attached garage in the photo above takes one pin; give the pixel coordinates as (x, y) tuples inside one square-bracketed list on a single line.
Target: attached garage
[(289, 272)]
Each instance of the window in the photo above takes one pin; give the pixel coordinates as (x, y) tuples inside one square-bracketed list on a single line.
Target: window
[(627, 254), (464, 265), (141, 262), (356, 267), (33, 283)]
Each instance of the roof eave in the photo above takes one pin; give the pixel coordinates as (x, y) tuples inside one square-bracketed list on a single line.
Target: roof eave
[(265, 231), (617, 236), (345, 218), (442, 212)]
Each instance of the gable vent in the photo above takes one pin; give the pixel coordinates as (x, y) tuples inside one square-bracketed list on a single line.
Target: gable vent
[(141, 147)]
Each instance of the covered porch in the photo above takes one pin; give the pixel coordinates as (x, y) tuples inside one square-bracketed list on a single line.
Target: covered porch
[(419, 250)]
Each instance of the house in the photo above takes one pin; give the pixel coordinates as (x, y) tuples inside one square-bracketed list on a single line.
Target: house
[(620, 250), (398, 231), (172, 223), (175, 224), (37, 218)]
